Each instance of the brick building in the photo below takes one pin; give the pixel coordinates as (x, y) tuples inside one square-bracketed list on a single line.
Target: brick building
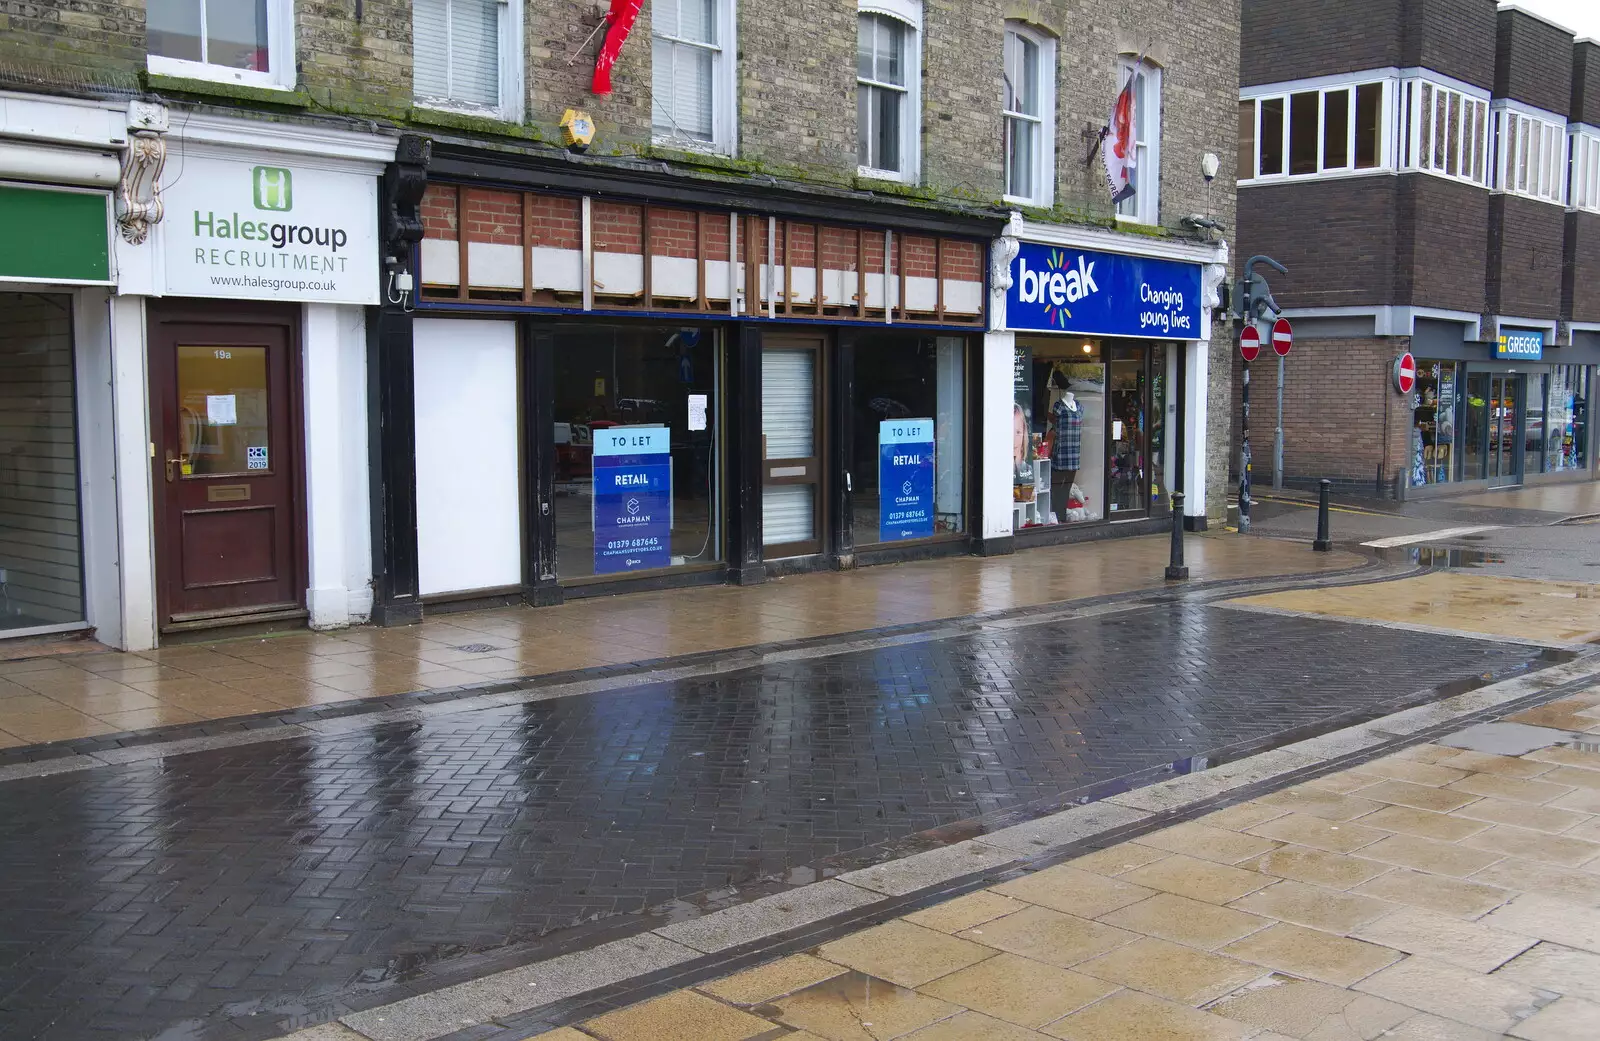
[(1428, 174), (377, 340)]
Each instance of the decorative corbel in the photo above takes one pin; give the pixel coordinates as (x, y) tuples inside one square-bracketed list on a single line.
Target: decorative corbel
[(139, 206)]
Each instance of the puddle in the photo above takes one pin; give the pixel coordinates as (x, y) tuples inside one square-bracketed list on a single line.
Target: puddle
[(1439, 556)]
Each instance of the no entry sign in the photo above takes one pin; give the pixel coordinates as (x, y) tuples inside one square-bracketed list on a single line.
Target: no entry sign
[(1405, 373), (1250, 343), (1282, 337)]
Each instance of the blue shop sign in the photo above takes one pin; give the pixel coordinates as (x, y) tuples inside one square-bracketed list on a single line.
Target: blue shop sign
[(1520, 345), (1056, 290), (905, 479), (632, 499)]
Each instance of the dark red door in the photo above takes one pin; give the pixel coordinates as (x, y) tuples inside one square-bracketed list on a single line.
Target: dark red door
[(229, 535)]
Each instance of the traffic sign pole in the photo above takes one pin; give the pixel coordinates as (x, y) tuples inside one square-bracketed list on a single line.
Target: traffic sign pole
[(1277, 436), (1282, 340), (1244, 455)]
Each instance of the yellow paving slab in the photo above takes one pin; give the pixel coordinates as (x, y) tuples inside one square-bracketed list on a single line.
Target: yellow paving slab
[(1493, 605)]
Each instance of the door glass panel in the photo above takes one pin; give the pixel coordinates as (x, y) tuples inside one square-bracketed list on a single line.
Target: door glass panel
[(1474, 426), (222, 410), (788, 432), (1535, 419), (788, 514), (1129, 465), (40, 543)]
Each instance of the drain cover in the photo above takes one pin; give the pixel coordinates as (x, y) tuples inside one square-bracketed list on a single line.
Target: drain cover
[(477, 648)]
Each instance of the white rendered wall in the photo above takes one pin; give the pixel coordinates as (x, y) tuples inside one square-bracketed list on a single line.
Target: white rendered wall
[(333, 350), (97, 462), (999, 353), (469, 512), (1197, 356), (130, 383)]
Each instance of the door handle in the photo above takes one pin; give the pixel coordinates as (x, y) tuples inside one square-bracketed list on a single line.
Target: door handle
[(175, 460)]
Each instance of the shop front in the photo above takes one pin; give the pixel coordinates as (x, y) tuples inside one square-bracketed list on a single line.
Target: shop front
[(620, 391), (1108, 381), (52, 349), (255, 336), (1517, 413)]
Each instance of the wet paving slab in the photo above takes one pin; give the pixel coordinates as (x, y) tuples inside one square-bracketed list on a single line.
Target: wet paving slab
[(226, 893)]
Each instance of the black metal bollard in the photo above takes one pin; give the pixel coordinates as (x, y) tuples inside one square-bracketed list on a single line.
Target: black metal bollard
[(1176, 571), (1324, 540)]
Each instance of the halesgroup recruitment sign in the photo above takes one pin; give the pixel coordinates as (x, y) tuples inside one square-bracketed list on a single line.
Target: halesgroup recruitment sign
[(266, 231), (1059, 290)]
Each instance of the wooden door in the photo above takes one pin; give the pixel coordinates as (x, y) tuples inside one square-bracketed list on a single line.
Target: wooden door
[(230, 528), (793, 434)]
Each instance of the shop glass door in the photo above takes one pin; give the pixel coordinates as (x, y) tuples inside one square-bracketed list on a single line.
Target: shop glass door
[(1475, 427), (791, 440), (1130, 463), (1505, 430)]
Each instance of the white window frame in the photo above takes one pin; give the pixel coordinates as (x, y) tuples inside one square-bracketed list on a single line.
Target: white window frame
[(1147, 198), (1583, 150), (280, 74), (910, 13), (1322, 87), (1538, 172), (1475, 139), (1044, 166), (510, 108), (724, 85)]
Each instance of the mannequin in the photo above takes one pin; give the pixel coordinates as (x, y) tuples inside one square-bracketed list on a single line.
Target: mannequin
[(1068, 418)]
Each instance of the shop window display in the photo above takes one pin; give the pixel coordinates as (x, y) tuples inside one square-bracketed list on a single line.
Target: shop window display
[(1433, 421), (909, 390), (1566, 418), (637, 448)]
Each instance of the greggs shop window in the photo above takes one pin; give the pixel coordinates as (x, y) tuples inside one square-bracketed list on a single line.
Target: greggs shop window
[(638, 449), (909, 424)]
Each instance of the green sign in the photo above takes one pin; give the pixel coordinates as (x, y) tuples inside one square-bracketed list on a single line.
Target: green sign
[(274, 188), (52, 235)]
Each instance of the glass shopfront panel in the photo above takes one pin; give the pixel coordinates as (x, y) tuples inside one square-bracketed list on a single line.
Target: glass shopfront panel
[(41, 544), (1535, 430), (638, 449), (909, 398), (1434, 406), (1090, 431), (1566, 440)]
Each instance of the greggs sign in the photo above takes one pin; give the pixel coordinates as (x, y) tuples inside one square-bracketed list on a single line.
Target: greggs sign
[(1059, 290)]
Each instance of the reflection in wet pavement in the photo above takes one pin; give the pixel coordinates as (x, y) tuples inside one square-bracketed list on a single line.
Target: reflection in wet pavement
[(240, 887), (1439, 556)]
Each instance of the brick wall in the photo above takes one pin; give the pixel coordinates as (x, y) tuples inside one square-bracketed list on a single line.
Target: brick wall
[(1455, 37), (1298, 39), (1525, 257), (1442, 254), (81, 44), (1347, 261), (1533, 62), (797, 88), (560, 67), (1580, 281), (365, 64), (962, 90), (1585, 102), (1342, 419)]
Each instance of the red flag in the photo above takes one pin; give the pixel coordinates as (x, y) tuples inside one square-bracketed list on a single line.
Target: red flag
[(1120, 150), (619, 23)]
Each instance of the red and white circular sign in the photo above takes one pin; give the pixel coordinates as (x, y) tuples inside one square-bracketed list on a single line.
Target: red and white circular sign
[(1405, 373), (1250, 342), (1282, 337)]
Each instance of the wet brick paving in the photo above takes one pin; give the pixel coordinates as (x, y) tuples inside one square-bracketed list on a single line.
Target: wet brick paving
[(217, 893)]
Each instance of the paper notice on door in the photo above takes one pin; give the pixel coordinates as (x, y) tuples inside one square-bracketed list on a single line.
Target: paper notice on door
[(697, 411), (255, 458), (222, 410)]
